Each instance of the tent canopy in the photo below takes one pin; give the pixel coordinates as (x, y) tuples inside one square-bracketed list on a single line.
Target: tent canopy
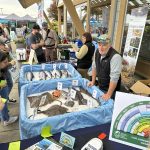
[(12, 17), (27, 18)]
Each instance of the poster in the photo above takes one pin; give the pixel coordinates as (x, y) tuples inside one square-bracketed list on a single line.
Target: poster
[(131, 120), (32, 57), (14, 70), (19, 32), (133, 43), (40, 17)]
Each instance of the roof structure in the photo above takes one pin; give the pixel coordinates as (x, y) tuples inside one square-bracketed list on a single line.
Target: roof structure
[(12, 17), (27, 18)]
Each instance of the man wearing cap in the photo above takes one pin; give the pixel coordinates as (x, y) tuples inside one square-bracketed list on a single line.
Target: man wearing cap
[(50, 39), (107, 67), (37, 42)]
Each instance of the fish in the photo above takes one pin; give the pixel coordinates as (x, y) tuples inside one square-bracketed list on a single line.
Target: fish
[(56, 74), (64, 73), (48, 75), (40, 100), (29, 76), (36, 76), (79, 97), (69, 103), (54, 110), (87, 93), (42, 75)]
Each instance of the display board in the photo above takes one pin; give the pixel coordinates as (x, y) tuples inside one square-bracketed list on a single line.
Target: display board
[(133, 42), (131, 120)]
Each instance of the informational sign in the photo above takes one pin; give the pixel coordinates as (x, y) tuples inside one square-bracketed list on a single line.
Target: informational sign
[(32, 57), (19, 32), (40, 17), (133, 40), (131, 120), (67, 140)]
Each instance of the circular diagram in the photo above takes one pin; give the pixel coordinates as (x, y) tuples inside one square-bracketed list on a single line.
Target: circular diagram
[(133, 123)]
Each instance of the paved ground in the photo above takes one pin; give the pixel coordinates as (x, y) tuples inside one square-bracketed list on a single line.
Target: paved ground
[(11, 132)]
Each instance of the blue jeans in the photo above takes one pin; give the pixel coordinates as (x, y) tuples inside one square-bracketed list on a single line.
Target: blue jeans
[(4, 113), (9, 82)]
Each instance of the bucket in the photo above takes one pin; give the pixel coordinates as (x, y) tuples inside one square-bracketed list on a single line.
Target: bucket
[(64, 55)]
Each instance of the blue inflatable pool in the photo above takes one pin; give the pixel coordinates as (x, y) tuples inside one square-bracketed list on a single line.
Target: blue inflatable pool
[(66, 122), (46, 67)]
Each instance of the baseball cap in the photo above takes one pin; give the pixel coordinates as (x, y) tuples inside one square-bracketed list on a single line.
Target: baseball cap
[(104, 39), (44, 24), (36, 27)]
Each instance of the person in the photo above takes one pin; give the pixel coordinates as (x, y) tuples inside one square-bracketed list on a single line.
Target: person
[(7, 31), (96, 48), (50, 39), (37, 43), (106, 66), (3, 38), (4, 90), (5, 49), (1, 104), (85, 55), (13, 35), (24, 30)]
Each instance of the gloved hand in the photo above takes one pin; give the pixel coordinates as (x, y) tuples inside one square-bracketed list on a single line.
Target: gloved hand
[(3, 83)]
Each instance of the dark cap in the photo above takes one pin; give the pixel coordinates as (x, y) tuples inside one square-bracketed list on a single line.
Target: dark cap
[(36, 27), (44, 24)]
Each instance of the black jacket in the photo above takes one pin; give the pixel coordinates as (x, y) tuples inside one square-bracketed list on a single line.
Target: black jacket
[(103, 69), (86, 61)]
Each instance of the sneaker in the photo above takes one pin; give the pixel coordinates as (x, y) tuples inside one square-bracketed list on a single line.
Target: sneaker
[(10, 121)]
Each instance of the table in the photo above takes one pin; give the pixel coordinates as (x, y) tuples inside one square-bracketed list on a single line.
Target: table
[(82, 137)]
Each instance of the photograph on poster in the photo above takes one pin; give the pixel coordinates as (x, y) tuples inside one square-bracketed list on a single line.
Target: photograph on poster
[(131, 53), (135, 42), (137, 32)]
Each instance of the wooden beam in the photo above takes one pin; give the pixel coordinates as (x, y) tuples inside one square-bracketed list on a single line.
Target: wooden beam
[(120, 25), (27, 3), (59, 20), (74, 16), (112, 18), (46, 18), (65, 21), (88, 15), (75, 2), (101, 4)]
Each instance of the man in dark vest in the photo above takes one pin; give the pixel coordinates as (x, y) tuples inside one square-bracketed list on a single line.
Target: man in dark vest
[(106, 66)]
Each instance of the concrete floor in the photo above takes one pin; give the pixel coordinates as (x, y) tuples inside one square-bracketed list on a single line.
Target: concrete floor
[(11, 132)]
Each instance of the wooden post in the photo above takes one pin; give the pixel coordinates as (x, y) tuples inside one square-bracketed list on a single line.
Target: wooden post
[(73, 31), (88, 16), (112, 18), (59, 21), (75, 18), (65, 21), (120, 25), (46, 18)]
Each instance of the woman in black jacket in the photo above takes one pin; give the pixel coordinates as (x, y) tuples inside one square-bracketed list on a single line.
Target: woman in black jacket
[(85, 55)]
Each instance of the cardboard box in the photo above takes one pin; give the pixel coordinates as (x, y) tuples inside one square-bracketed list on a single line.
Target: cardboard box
[(141, 87)]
